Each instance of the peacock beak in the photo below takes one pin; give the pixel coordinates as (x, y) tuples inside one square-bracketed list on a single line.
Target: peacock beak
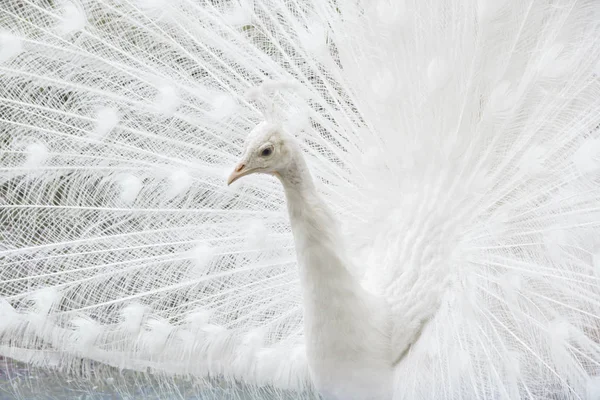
[(238, 172)]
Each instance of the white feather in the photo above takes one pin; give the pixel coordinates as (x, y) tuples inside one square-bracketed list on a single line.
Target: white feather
[(587, 157), (593, 387), (488, 10), (86, 333), (180, 181), (384, 84), (167, 99), (10, 46), (129, 187), (157, 9), (72, 18), (314, 39), (239, 15), (438, 73), (258, 234), (44, 300), (9, 318), (223, 106), (132, 318), (392, 13), (37, 155), (198, 319), (153, 338), (448, 250), (201, 256), (106, 120), (502, 99)]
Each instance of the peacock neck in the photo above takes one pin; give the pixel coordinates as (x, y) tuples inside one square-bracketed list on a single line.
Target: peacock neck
[(314, 226), (346, 328)]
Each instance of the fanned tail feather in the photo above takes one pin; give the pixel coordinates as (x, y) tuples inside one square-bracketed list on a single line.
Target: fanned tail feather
[(457, 142)]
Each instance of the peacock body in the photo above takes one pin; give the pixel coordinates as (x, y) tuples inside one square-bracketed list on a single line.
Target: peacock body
[(450, 248)]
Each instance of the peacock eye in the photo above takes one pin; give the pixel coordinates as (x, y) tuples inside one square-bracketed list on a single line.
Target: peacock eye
[(266, 152)]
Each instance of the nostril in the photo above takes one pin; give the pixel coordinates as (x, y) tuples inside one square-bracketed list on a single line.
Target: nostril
[(240, 167)]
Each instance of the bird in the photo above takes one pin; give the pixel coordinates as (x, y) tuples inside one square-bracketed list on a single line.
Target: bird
[(347, 332), (299, 199)]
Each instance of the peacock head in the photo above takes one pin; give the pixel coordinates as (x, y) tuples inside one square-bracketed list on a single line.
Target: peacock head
[(267, 150)]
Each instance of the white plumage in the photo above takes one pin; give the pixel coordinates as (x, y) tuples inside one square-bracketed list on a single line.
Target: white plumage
[(346, 328), (448, 246)]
